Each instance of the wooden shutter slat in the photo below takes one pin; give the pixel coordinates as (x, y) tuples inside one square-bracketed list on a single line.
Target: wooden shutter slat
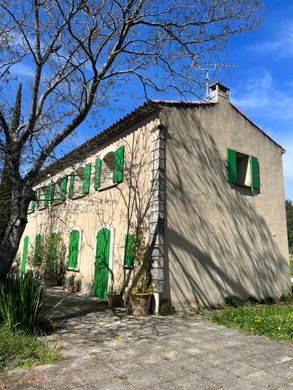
[(118, 165), (129, 251), (98, 168), (63, 187), (254, 169), (231, 166), (86, 178), (71, 184)]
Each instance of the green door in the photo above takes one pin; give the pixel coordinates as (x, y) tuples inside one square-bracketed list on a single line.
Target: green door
[(100, 288), (24, 254)]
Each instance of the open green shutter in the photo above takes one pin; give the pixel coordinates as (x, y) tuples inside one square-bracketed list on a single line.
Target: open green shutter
[(254, 169), (98, 167), (129, 251), (52, 193), (33, 206), (47, 191), (63, 187), (38, 195), (231, 166), (73, 249), (38, 250), (86, 178), (24, 254), (71, 184), (118, 165)]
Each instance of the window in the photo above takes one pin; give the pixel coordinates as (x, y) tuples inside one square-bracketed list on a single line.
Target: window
[(73, 250), (242, 170), (24, 254), (129, 253), (60, 190), (37, 260), (79, 182), (109, 171)]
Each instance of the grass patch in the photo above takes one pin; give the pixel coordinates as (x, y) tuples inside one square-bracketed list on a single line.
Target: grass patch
[(271, 321), (19, 350)]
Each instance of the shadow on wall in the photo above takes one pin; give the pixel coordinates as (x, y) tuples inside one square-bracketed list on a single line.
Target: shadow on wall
[(218, 244)]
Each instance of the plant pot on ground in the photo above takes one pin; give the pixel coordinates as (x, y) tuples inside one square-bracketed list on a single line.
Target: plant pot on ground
[(141, 303), (71, 288), (114, 299)]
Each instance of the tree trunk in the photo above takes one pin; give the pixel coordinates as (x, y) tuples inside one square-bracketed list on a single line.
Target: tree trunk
[(15, 227)]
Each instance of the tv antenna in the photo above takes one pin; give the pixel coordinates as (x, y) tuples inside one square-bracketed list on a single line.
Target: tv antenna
[(208, 67)]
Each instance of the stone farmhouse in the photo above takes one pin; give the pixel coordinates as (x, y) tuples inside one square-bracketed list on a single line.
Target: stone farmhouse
[(204, 183)]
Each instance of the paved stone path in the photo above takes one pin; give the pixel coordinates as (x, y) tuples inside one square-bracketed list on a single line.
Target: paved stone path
[(105, 349)]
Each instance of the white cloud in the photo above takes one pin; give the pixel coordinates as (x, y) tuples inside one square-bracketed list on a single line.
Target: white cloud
[(265, 99), (22, 69), (281, 45)]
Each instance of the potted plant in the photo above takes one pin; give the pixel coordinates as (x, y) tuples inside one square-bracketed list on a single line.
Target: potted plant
[(71, 284), (142, 290), (114, 297)]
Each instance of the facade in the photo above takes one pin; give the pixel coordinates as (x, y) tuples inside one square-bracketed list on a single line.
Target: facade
[(200, 179)]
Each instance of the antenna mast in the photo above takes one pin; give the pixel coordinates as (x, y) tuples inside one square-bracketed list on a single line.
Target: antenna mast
[(211, 67)]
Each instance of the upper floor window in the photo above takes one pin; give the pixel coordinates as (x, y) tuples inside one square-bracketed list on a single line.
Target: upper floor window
[(242, 169), (109, 171)]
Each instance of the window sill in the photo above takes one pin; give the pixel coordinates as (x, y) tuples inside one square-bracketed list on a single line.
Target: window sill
[(73, 269), (107, 187), (128, 266)]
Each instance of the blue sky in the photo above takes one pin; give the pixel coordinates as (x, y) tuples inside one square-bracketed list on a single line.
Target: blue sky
[(263, 85)]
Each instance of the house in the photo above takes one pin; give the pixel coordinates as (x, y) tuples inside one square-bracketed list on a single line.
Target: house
[(204, 183)]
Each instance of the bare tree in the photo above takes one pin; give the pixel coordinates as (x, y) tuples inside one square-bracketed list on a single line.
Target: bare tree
[(76, 51)]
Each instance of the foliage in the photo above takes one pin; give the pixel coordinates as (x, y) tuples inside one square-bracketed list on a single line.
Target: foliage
[(49, 256), (291, 265), (234, 300), (19, 350), (22, 299), (142, 278), (166, 309), (289, 215), (71, 280), (271, 321)]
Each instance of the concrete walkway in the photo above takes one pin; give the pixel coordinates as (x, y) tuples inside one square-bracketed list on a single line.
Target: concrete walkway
[(105, 349)]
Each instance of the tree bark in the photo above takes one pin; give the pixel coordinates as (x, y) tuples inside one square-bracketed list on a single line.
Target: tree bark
[(15, 227)]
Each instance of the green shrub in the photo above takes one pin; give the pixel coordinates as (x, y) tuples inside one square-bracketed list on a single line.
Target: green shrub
[(20, 350), (234, 300), (22, 298), (166, 309)]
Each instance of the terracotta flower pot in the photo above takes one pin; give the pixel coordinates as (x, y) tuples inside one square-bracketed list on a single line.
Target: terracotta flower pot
[(114, 300), (71, 289), (50, 281), (140, 304)]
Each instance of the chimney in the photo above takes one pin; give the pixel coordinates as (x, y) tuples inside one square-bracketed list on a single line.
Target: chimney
[(218, 92)]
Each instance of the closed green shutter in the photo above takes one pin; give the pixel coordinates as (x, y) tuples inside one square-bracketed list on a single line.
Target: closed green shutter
[(231, 166), (38, 250), (52, 249), (97, 182), (71, 184), (86, 178), (254, 169), (47, 191), (24, 254), (33, 206), (73, 249), (63, 187), (129, 251), (118, 165)]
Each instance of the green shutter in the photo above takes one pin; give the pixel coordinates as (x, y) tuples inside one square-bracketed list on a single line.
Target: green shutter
[(63, 187), (231, 166), (47, 191), (52, 193), (254, 169), (33, 206), (97, 182), (38, 250), (71, 184), (86, 178), (73, 249), (129, 251), (24, 254), (118, 165), (38, 195)]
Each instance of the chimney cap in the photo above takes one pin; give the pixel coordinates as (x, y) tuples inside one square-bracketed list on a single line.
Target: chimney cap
[(221, 87)]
